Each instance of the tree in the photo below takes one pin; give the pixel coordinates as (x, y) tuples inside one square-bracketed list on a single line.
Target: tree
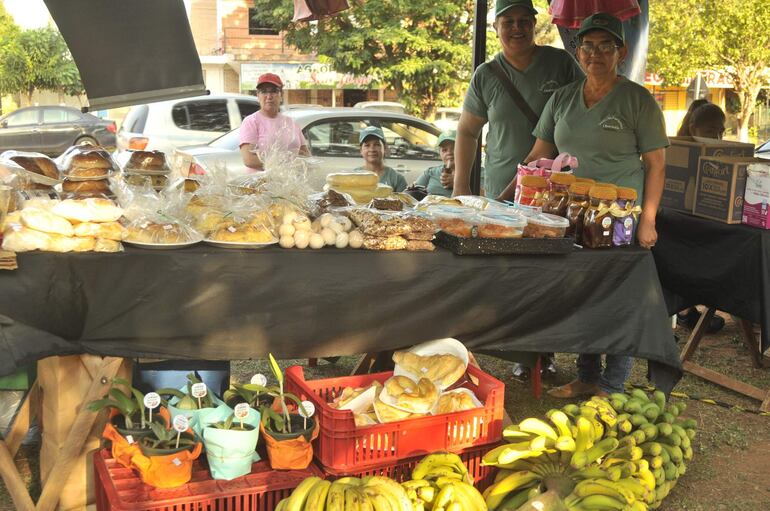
[(732, 36), (9, 34), (38, 60), (419, 48)]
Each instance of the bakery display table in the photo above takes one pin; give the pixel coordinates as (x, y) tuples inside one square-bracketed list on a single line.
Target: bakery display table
[(724, 267)]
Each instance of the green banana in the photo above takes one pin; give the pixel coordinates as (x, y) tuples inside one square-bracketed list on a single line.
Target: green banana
[(585, 488), (514, 500), (634, 406), (651, 411), (507, 485), (651, 448), (600, 502), (619, 396), (671, 471), (426, 465), (571, 409), (599, 450), (640, 394)]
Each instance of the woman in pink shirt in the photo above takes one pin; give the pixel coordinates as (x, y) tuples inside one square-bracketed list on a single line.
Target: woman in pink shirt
[(269, 127)]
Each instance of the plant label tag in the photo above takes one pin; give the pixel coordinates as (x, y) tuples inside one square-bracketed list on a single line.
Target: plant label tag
[(241, 411), (199, 390), (152, 400), (181, 423), (176, 462), (129, 439), (259, 379), (309, 409)]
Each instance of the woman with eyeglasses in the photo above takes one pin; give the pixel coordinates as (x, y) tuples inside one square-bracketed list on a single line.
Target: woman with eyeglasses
[(617, 131), (268, 128)]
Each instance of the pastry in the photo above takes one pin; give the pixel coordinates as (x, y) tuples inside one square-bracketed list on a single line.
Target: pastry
[(420, 246), (420, 236), (89, 187), (411, 395), (386, 204), (103, 245), (386, 413), (69, 244), (147, 161), (90, 165), (88, 210), (454, 402), (375, 223), (150, 232), (384, 243), (443, 370), (42, 165), (243, 233), (46, 221), (105, 230)]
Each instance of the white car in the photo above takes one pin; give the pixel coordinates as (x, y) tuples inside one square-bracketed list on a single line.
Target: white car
[(332, 134), (447, 118), (166, 125), (387, 106)]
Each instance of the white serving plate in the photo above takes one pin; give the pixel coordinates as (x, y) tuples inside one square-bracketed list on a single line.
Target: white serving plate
[(386, 398), (361, 402), (458, 391), (238, 244), (447, 346)]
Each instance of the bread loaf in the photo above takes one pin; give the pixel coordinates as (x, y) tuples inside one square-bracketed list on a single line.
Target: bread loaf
[(352, 179), (38, 164), (70, 244), (105, 230), (103, 245), (88, 210), (148, 161), (22, 239), (46, 221), (86, 187)]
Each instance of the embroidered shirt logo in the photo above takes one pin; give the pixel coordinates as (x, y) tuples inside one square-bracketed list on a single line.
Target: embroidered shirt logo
[(549, 86), (612, 123)]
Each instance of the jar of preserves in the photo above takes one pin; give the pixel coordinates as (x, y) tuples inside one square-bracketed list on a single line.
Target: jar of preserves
[(558, 194), (625, 213), (576, 208), (585, 180), (598, 219), (531, 190)]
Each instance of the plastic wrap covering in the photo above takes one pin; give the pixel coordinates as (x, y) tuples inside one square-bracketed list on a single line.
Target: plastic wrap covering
[(86, 162), (31, 170)]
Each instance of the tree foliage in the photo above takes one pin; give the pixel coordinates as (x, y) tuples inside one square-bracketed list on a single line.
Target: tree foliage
[(732, 36), (38, 59), (419, 48)]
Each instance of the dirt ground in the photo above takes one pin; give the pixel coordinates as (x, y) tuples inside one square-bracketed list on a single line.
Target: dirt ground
[(732, 450)]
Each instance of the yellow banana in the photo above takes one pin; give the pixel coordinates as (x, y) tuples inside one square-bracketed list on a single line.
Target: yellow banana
[(600, 502), (391, 489), (472, 497), (584, 437), (316, 499), (538, 427), (427, 493), (561, 421), (299, 495), (507, 485), (511, 455), (378, 501), (415, 483), (541, 443), (454, 506), (604, 487), (444, 497), (443, 458), (565, 443), (335, 498), (490, 458), (282, 505)]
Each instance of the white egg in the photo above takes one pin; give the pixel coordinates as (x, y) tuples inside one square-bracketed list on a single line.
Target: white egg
[(286, 241), (329, 236), (355, 239), (316, 241), (326, 219), (342, 240), (289, 217), (345, 223), (302, 224), (286, 230), (301, 239)]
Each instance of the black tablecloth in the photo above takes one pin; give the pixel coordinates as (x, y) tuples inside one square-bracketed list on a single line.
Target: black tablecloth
[(210, 303), (703, 262)]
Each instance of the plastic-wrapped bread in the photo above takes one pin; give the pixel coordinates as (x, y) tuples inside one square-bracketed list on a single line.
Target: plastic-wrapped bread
[(88, 210), (105, 245), (352, 179), (375, 223), (22, 239), (105, 230), (419, 246), (384, 243), (46, 221), (70, 244)]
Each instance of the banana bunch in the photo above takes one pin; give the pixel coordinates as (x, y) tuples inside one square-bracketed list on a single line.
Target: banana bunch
[(440, 482), (624, 453), (374, 493)]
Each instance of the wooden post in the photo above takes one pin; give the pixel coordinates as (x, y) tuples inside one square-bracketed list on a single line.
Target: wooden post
[(23, 420), (13, 481)]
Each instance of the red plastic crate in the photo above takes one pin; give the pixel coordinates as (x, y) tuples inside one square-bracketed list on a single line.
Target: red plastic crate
[(483, 476), (120, 489), (341, 446)]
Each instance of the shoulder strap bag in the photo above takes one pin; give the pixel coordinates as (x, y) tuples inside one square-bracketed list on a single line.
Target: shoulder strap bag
[(514, 92)]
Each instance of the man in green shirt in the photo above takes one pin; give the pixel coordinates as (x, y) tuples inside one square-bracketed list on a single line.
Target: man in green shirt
[(372, 142), (536, 71), (439, 180)]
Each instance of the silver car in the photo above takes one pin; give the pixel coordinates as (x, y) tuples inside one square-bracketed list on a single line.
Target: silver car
[(332, 135), (166, 125)]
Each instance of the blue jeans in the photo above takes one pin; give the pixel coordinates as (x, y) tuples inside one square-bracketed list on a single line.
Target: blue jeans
[(617, 368)]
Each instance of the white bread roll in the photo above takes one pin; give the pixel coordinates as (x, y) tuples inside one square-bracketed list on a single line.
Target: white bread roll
[(21, 239), (45, 221), (70, 244), (88, 210), (106, 230), (103, 245)]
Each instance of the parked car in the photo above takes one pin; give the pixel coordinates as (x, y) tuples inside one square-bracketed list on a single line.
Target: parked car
[(166, 125), (386, 106), (332, 135), (52, 129), (447, 118), (763, 151)]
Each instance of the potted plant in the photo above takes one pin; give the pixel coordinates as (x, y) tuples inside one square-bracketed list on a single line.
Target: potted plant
[(127, 410), (165, 456), (279, 423), (163, 441), (183, 402), (256, 396), (231, 443)]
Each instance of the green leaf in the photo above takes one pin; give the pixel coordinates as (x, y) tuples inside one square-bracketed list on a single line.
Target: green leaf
[(276, 369), (101, 404), (126, 405)]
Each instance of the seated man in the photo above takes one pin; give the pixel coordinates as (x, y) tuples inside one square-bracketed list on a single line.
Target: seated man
[(372, 142), (439, 180)]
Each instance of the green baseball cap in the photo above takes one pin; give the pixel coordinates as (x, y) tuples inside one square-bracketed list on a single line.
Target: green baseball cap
[(503, 5), (603, 21), (370, 131), (446, 136)]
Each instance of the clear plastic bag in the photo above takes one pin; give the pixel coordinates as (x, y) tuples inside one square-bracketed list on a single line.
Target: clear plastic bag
[(86, 162), (31, 169)]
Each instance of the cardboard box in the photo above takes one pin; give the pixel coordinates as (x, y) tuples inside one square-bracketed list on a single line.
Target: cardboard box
[(682, 167), (720, 186), (757, 197)]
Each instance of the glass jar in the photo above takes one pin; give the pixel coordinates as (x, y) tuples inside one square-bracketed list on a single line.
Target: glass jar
[(625, 217), (530, 191), (598, 219), (558, 194), (587, 180), (578, 203)]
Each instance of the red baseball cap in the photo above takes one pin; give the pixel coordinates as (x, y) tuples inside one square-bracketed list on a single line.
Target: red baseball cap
[(270, 78)]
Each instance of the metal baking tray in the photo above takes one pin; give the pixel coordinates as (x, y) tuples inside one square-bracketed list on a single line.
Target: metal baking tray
[(504, 246)]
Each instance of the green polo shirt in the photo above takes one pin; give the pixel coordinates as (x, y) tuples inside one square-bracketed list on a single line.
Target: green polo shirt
[(431, 180), (609, 138), (389, 177), (510, 133)]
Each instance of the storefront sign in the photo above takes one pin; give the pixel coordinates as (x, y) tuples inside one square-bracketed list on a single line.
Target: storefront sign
[(306, 75), (714, 79)]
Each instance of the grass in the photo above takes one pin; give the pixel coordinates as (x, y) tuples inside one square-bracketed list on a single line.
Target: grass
[(731, 450)]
